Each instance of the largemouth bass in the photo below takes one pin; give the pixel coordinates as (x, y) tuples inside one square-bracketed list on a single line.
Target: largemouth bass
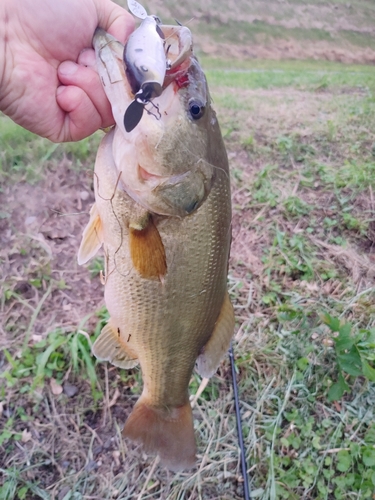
[(162, 213)]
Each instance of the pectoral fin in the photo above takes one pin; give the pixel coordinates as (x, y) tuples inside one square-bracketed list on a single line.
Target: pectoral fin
[(218, 344), (92, 238), (110, 346), (146, 248)]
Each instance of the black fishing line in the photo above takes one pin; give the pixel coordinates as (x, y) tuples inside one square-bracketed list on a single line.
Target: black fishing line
[(246, 488)]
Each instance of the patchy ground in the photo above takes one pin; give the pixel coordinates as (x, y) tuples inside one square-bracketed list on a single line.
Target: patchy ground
[(301, 147), (254, 29), (39, 240)]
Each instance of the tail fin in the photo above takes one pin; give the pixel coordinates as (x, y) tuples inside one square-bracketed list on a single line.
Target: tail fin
[(168, 432)]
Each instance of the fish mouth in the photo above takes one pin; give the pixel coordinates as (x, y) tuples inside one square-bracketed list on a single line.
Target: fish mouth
[(118, 82), (146, 176), (179, 49)]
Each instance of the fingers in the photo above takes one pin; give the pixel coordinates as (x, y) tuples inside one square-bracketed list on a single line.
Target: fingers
[(114, 19), (87, 58), (81, 119), (81, 96), (86, 79)]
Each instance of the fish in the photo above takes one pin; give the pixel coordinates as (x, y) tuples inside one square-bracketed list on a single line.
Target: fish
[(162, 215)]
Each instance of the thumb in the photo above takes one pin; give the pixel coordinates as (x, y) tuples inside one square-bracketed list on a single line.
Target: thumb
[(114, 19)]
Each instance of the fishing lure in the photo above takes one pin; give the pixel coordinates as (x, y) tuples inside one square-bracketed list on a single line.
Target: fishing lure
[(146, 63)]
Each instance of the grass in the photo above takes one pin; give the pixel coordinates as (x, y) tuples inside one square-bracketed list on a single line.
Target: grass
[(25, 156), (304, 75), (300, 140), (303, 195)]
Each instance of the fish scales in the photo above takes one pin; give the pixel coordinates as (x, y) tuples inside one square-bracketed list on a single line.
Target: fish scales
[(162, 213)]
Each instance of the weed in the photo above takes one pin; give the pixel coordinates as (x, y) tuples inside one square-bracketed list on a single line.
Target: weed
[(52, 357), (25, 156), (290, 255), (96, 265), (263, 192), (296, 207), (21, 151), (355, 355), (15, 487)]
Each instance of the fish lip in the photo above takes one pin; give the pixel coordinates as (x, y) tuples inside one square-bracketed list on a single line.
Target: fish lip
[(146, 176), (158, 180), (185, 44)]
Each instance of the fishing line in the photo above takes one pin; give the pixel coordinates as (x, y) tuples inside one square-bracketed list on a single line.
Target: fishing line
[(246, 488)]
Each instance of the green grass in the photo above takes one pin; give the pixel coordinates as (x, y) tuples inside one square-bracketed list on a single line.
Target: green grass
[(299, 75), (286, 65), (25, 156), (305, 195)]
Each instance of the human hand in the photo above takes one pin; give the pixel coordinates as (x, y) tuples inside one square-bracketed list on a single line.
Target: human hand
[(42, 88)]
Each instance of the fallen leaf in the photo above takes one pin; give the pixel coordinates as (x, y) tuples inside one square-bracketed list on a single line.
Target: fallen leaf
[(55, 387), (26, 436)]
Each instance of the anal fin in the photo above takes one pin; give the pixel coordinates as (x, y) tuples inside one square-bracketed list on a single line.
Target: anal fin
[(109, 346), (147, 249), (219, 342), (92, 238)]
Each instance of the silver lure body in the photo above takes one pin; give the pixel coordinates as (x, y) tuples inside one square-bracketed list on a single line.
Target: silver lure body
[(145, 59)]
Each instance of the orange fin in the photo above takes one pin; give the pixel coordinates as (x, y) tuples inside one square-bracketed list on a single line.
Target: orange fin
[(109, 346), (92, 238), (147, 249), (219, 342), (169, 432)]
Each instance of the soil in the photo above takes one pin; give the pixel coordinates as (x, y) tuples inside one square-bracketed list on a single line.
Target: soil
[(39, 241), (289, 49)]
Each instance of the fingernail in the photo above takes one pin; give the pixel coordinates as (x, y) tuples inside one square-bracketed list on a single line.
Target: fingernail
[(68, 68)]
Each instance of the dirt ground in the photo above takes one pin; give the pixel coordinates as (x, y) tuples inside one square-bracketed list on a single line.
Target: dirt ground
[(45, 230), (289, 49)]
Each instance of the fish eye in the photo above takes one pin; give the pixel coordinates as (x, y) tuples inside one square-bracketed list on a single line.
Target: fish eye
[(196, 109)]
